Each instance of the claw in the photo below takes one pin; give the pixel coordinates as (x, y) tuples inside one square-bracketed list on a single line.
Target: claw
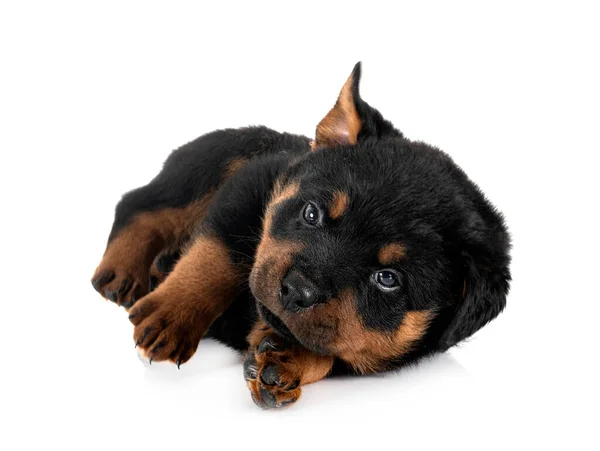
[(267, 343), (250, 367), (178, 363)]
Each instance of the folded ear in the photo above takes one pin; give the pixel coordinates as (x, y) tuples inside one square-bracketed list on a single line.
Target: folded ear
[(351, 119), (485, 286)]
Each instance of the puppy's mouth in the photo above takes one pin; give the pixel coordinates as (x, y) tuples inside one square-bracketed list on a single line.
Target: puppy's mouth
[(275, 323)]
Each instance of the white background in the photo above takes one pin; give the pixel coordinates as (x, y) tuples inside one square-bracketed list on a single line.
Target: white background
[(93, 97)]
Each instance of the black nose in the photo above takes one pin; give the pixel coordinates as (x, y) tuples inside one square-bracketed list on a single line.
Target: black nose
[(297, 292)]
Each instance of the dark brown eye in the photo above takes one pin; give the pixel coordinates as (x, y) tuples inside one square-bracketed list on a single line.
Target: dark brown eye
[(311, 214), (387, 279)]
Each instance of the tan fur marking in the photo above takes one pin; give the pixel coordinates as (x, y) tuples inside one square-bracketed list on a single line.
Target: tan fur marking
[(338, 205), (129, 255), (180, 311), (280, 194), (234, 166), (368, 350), (342, 124), (205, 275), (311, 367), (259, 331), (273, 257), (391, 253), (283, 192), (155, 230)]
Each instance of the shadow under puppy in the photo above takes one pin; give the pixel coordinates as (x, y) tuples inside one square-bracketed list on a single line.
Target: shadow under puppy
[(359, 252)]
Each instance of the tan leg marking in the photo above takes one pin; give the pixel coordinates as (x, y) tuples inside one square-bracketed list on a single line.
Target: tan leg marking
[(123, 273), (170, 321)]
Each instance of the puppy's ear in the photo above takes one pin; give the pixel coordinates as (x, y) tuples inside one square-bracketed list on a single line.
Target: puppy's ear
[(351, 119), (484, 290)]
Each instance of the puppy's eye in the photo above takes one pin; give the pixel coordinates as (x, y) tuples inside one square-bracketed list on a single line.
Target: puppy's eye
[(387, 279), (311, 214)]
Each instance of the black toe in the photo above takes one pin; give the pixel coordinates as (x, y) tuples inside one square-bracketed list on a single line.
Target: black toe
[(258, 402), (269, 376), (99, 282), (268, 398), (129, 303)]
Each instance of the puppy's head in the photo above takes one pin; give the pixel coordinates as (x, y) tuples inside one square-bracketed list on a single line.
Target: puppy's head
[(375, 248)]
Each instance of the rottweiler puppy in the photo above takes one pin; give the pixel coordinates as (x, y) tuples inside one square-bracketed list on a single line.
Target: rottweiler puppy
[(357, 252)]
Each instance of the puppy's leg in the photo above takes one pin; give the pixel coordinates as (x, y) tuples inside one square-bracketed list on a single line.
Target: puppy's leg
[(136, 239), (163, 213), (275, 370), (171, 320)]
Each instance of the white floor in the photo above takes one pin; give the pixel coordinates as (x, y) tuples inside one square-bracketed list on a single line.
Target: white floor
[(92, 101)]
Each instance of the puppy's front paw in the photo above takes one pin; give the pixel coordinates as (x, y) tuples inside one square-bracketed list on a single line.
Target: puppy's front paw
[(271, 373), (166, 329), (120, 284)]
